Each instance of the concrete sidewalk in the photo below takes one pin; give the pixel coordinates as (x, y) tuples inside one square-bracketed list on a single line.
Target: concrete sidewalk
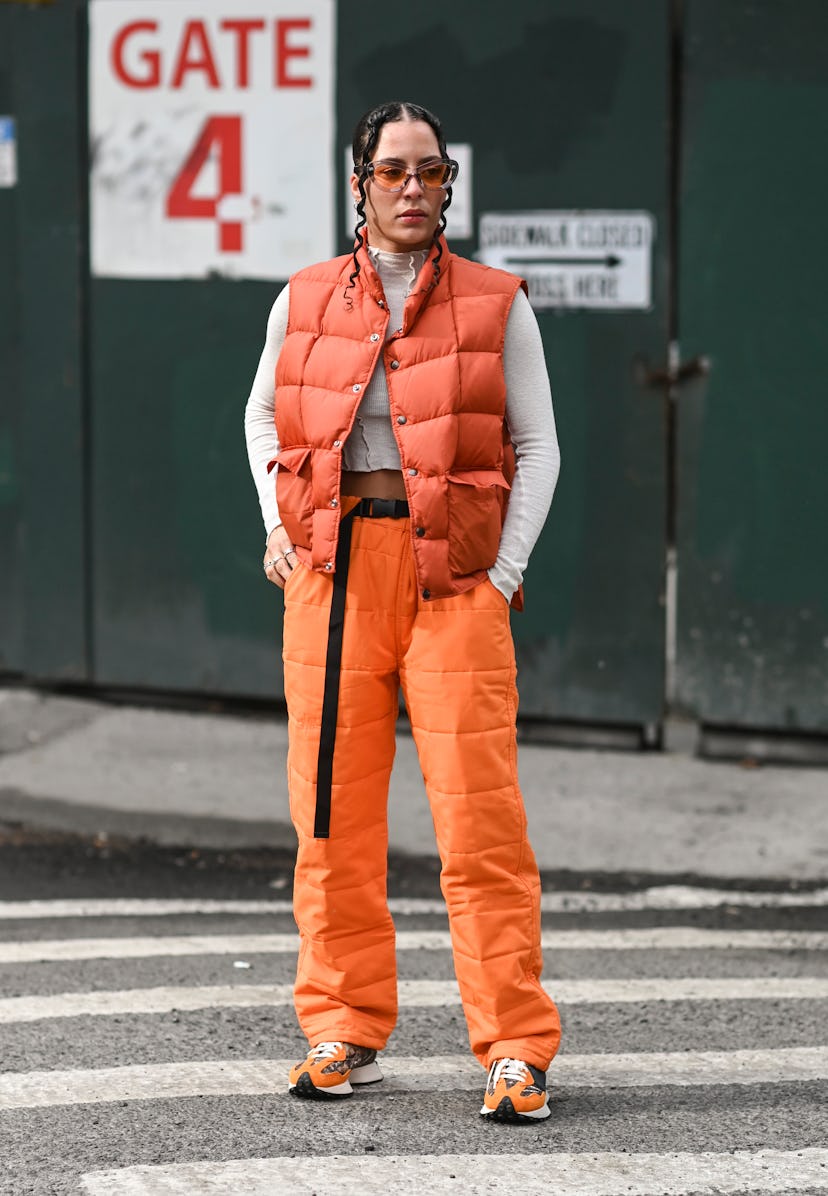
[(217, 780)]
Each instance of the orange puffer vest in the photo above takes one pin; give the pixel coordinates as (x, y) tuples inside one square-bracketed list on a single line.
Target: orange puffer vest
[(447, 397)]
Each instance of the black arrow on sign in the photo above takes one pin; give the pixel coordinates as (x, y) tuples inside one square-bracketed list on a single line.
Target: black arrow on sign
[(610, 260)]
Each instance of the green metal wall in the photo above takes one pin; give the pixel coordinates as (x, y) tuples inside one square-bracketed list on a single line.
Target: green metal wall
[(753, 484), (130, 540), (11, 546), (43, 399), (179, 599)]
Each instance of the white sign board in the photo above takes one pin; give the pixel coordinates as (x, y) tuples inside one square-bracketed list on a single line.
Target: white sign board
[(8, 152), (574, 259), (459, 214), (211, 129)]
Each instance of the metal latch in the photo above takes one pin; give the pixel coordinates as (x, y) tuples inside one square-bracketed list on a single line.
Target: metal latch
[(676, 372)]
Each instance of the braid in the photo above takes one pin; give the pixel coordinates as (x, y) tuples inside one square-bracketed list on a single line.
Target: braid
[(366, 136), (359, 241), (438, 232)]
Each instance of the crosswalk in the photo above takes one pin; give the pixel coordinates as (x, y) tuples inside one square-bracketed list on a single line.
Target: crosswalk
[(660, 938), (41, 1089), (564, 1174), (144, 1046)]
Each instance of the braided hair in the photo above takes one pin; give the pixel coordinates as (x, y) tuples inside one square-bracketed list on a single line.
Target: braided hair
[(366, 136)]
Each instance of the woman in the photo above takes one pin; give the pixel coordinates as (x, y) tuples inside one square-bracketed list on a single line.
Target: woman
[(410, 386)]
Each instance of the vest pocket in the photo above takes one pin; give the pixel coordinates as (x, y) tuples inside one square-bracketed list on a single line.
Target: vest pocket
[(293, 493), (476, 502)]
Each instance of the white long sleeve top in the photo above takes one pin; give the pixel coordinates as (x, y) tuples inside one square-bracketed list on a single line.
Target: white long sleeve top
[(371, 445)]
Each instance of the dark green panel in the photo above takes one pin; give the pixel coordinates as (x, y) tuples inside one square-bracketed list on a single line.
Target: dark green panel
[(11, 515), (565, 105), (49, 456), (753, 487), (180, 598)]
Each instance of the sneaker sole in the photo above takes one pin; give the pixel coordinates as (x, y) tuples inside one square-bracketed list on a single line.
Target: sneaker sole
[(305, 1089), (369, 1074), (506, 1113)]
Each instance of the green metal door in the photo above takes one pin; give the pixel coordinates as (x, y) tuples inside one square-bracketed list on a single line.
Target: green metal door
[(752, 646), (180, 601), (564, 107)]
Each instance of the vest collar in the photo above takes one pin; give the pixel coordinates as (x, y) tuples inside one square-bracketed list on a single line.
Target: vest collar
[(421, 291)]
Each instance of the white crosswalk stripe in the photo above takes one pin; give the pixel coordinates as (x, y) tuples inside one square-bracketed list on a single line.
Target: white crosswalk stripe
[(600, 1174), (660, 938), (233, 1077), (663, 897), (424, 993)]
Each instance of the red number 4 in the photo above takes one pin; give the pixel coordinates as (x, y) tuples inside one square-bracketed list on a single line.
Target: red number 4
[(225, 134)]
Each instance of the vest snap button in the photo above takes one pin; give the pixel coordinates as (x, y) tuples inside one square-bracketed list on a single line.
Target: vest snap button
[(420, 531), (334, 503), (374, 336), (357, 388), (329, 564), (380, 302), (337, 444), (426, 593), (412, 473), (395, 365), (401, 419)]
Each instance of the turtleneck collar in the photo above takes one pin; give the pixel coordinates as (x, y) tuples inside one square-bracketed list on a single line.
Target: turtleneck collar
[(388, 264)]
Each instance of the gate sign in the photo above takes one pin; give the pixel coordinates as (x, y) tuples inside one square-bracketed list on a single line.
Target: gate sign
[(211, 126), (573, 259)]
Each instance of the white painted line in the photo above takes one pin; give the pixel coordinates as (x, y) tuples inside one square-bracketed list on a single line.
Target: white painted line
[(680, 897), (659, 938), (667, 897), (412, 993), (600, 1174), (135, 907), (664, 897), (143, 1000), (253, 1077), (146, 948)]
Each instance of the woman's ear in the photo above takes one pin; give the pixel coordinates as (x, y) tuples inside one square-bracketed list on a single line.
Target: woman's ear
[(355, 188)]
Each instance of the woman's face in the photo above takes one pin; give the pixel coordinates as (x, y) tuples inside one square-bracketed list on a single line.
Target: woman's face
[(399, 221)]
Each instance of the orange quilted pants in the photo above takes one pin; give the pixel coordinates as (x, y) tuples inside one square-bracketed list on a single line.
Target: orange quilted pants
[(455, 661)]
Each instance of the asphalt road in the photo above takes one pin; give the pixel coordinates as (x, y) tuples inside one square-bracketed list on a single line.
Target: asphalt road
[(145, 1033)]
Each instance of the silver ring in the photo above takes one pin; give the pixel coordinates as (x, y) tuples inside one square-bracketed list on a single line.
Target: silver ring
[(275, 560), (289, 551)]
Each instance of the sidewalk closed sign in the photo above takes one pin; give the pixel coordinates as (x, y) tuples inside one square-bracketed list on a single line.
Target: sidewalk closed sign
[(574, 259), (211, 128)]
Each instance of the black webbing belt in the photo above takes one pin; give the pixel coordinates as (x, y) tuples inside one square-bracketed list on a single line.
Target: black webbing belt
[(367, 508), (381, 508)]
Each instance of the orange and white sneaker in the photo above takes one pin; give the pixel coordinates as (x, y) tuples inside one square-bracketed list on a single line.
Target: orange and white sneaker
[(331, 1068), (515, 1091)]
